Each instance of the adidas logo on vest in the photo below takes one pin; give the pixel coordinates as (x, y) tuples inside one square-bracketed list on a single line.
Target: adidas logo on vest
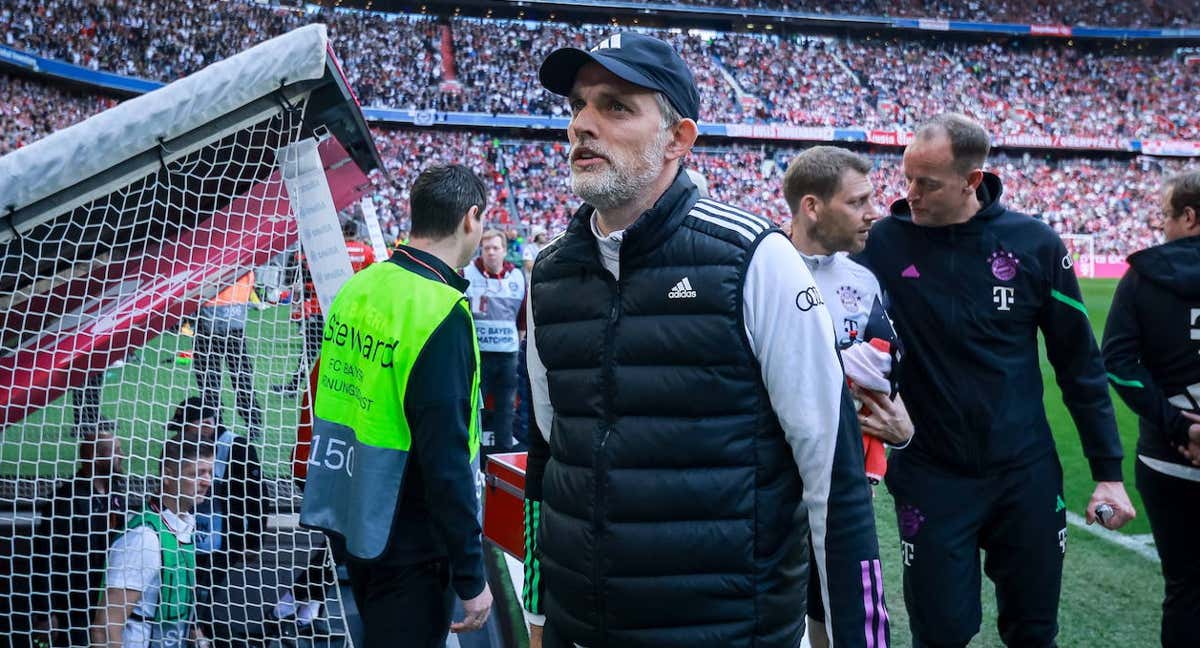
[(682, 290)]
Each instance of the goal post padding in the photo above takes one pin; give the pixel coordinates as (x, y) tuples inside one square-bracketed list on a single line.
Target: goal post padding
[(188, 172), (113, 234)]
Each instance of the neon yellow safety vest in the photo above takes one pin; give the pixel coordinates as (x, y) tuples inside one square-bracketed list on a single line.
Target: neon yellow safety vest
[(375, 330)]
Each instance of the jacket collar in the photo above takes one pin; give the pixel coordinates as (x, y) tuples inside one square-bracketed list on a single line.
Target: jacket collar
[(650, 229), (428, 266), (1174, 266), (814, 261)]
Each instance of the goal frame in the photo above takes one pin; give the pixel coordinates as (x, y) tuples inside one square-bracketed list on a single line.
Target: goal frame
[(1079, 245)]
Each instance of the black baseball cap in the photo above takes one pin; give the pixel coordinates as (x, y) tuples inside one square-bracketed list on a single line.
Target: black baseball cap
[(639, 59)]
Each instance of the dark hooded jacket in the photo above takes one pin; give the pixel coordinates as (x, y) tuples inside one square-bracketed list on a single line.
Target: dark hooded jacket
[(968, 300), (1152, 343)]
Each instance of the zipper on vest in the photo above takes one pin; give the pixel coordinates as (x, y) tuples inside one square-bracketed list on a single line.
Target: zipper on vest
[(599, 457)]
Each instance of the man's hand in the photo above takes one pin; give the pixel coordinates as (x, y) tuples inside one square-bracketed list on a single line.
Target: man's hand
[(885, 418), (477, 610), (535, 636), (1191, 451), (1113, 494)]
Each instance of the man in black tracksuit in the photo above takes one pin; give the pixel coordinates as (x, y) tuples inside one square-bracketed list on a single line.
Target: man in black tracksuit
[(1152, 353), (971, 284)]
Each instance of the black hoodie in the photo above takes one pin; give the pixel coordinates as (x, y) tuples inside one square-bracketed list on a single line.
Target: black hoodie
[(1152, 343), (968, 300)]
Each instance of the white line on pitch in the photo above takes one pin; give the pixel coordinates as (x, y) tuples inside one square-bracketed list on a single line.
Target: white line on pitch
[(1142, 545)]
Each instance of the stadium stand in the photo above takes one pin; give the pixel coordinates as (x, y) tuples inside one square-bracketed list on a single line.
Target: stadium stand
[(1017, 87), (30, 110), (1123, 13), (483, 65), (1113, 199)]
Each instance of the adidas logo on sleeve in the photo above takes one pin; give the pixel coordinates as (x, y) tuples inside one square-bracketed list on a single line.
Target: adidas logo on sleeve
[(682, 290)]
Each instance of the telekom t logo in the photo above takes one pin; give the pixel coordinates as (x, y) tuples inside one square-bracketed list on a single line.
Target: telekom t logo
[(1003, 297)]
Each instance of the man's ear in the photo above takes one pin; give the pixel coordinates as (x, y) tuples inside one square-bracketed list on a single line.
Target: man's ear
[(974, 178), (810, 207), (1191, 220), (471, 220), (683, 137)]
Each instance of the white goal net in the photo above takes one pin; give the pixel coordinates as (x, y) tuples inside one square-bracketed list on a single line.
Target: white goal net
[(132, 328)]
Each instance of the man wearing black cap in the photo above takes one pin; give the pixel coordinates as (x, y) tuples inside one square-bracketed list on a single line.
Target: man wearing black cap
[(688, 397)]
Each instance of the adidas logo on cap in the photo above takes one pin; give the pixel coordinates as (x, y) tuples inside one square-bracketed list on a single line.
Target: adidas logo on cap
[(682, 290)]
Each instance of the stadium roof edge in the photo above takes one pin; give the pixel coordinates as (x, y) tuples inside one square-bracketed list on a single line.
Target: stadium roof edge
[(905, 23), (142, 124)]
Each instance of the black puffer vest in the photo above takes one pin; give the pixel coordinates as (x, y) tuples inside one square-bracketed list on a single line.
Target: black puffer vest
[(670, 510)]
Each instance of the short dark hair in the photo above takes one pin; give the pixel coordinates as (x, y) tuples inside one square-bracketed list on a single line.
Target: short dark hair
[(189, 411), (185, 447), (969, 144), (1185, 192), (440, 198), (818, 171)]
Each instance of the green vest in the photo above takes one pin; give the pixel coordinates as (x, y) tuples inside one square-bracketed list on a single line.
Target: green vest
[(375, 330), (178, 570)]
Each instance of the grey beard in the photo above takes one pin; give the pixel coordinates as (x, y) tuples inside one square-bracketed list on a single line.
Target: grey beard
[(616, 188), (605, 193)]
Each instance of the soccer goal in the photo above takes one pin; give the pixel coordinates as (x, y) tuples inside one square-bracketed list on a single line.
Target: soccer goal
[(130, 244), (1082, 251)]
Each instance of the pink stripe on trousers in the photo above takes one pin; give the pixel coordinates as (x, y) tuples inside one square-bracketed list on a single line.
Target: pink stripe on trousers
[(869, 606)]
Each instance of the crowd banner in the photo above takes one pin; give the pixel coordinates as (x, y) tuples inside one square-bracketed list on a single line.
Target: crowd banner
[(1064, 142), (1171, 147), (1062, 31), (780, 131)]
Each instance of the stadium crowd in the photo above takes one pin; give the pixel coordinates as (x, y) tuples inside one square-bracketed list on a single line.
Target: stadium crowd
[(30, 110), (800, 80), (529, 185), (811, 81), (818, 81), (1115, 200), (1121, 13)]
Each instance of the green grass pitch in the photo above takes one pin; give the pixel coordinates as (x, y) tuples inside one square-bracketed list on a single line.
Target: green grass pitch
[(141, 396)]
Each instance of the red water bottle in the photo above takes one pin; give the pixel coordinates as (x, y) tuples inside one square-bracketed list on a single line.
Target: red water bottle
[(874, 451)]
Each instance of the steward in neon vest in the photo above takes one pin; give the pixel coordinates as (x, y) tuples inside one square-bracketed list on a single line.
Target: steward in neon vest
[(396, 423)]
